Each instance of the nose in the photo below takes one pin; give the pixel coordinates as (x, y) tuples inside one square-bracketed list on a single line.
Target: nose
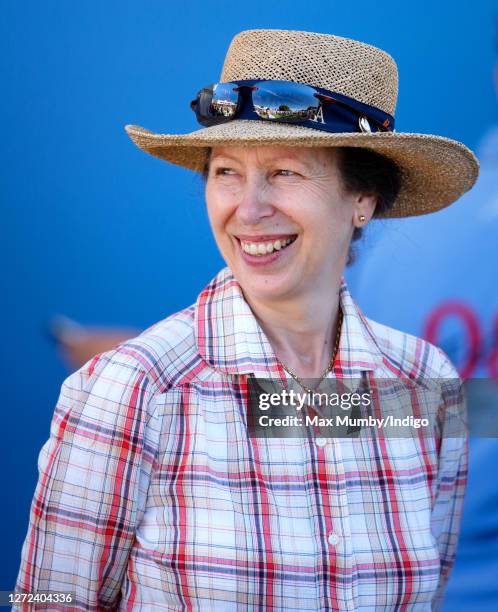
[(255, 200)]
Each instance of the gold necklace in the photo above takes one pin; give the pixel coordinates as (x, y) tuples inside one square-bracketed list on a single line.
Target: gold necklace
[(331, 362)]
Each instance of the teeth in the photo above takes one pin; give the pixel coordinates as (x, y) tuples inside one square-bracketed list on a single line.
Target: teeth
[(262, 248)]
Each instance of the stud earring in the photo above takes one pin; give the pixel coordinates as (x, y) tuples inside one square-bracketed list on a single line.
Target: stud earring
[(361, 218)]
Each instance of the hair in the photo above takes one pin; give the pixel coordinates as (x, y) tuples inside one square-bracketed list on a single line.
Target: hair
[(362, 171), (369, 172)]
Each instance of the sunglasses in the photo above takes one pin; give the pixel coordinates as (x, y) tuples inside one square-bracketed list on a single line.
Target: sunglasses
[(287, 102)]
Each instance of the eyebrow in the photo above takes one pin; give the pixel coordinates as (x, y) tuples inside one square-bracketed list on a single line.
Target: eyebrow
[(279, 159), (215, 156)]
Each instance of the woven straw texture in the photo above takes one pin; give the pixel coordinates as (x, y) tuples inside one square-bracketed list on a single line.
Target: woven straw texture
[(436, 170), (342, 65)]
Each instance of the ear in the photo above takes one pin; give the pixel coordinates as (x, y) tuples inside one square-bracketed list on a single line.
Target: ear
[(364, 208)]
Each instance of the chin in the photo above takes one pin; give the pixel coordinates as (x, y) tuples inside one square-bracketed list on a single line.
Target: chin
[(265, 287)]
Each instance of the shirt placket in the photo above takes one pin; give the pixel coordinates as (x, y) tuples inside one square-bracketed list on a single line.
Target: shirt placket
[(334, 502), (340, 594)]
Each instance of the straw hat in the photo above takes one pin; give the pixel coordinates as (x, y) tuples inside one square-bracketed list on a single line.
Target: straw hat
[(436, 170)]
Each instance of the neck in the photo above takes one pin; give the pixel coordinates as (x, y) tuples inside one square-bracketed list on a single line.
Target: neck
[(302, 332)]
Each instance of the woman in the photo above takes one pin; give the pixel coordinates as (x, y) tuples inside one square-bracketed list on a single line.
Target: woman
[(153, 494)]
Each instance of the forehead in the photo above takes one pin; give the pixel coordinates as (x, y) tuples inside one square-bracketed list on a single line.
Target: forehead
[(261, 154)]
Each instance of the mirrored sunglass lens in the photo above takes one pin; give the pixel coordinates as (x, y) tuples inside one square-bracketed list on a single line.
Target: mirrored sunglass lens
[(217, 103), (285, 101)]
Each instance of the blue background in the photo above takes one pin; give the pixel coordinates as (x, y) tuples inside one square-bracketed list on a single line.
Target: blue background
[(97, 230)]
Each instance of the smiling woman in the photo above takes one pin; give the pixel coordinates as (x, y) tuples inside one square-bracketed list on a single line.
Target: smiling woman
[(360, 171), (154, 491), (293, 198)]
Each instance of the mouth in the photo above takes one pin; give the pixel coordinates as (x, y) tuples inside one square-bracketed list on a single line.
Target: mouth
[(260, 248), (264, 249)]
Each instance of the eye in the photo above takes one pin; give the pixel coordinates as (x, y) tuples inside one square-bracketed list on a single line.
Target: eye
[(222, 171), (284, 172)]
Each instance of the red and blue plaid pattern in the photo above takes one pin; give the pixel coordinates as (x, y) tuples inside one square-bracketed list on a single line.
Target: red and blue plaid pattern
[(152, 496)]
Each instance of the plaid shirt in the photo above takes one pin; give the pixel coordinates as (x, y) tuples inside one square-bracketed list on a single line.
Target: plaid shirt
[(152, 496)]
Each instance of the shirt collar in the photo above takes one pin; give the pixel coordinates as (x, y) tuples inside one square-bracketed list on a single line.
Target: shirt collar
[(229, 337)]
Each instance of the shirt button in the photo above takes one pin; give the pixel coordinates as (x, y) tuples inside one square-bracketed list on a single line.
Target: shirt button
[(333, 539), (321, 442)]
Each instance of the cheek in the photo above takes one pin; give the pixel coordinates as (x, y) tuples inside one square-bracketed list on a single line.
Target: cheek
[(217, 209), (341, 216), (330, 229), (219, 214)]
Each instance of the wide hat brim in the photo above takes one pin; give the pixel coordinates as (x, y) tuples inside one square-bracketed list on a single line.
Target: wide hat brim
[(436, 171)]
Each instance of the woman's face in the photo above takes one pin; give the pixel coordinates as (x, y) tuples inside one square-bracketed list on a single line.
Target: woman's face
[(281, 218)]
